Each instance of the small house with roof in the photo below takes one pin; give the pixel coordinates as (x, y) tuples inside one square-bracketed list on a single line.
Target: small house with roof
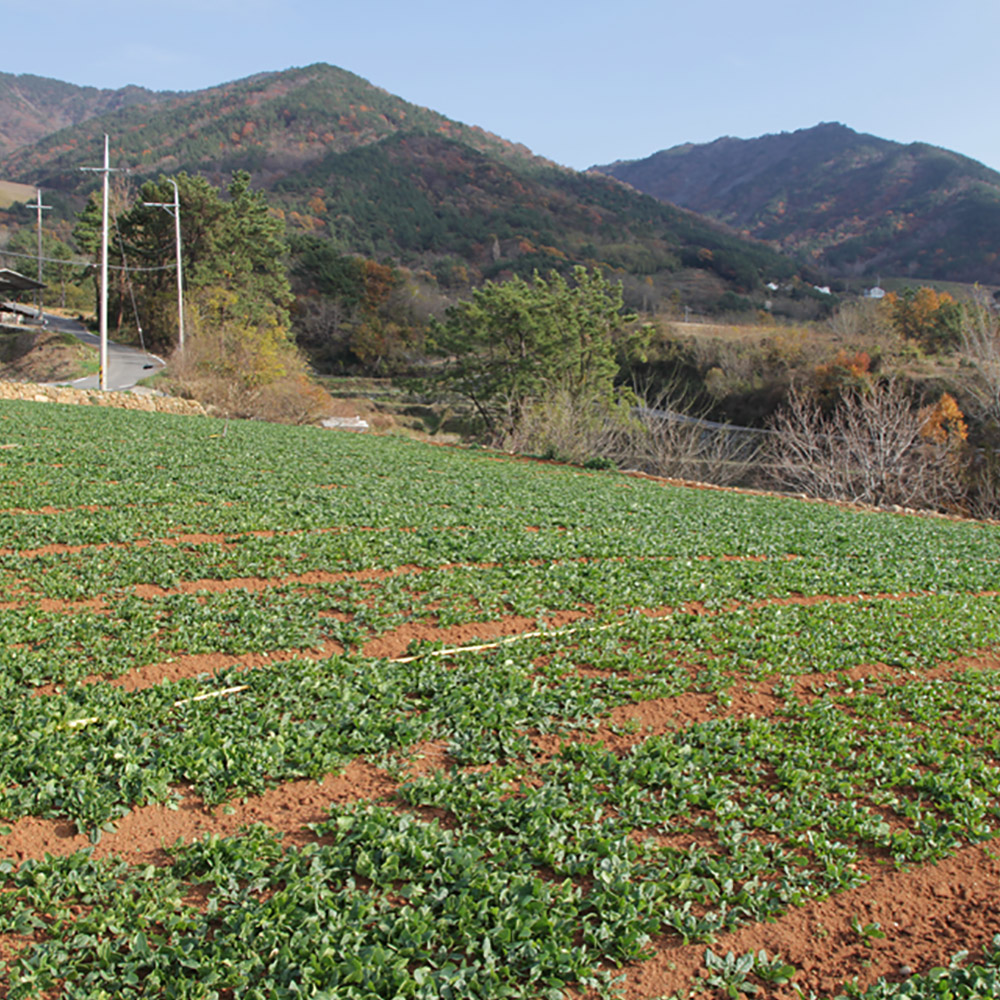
[(12, 286)]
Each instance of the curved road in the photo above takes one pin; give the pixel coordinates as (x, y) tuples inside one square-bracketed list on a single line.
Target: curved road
[(126, 365)]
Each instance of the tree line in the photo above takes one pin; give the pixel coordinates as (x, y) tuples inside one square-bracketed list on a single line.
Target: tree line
[(551, 363)]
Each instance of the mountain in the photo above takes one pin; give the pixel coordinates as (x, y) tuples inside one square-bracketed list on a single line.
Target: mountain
[(416, 196), (856, 203), (347, 162), (270, 124), (33, 107)]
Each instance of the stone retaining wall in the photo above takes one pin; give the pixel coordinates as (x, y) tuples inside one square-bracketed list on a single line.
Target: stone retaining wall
[(93, 397)]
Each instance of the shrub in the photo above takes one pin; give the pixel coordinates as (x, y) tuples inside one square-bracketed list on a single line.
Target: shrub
[(244, 369), (870, 449)]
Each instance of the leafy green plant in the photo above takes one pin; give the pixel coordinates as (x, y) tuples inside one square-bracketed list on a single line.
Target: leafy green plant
[(729, 973), (868, 933), (773, 970), (548, 861)]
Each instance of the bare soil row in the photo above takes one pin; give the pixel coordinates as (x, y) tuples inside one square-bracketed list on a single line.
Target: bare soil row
[(930, 912)]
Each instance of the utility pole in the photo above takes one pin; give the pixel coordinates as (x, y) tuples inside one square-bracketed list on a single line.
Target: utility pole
[(106, 171), (38, 205), (175, 210)]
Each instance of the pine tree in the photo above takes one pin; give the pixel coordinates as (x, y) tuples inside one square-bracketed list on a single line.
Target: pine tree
[(234, 246), (520, 342)]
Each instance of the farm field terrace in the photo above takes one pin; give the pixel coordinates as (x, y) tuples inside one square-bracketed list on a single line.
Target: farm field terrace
[(291, 713)]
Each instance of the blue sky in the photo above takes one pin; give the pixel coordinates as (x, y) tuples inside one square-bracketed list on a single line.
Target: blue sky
[(580, 83)]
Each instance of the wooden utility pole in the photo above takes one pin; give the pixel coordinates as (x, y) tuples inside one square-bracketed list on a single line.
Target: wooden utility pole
[(175, 210), (40, 207), (103, 318)]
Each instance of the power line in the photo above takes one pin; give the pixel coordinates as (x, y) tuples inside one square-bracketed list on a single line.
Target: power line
[(175, 210), (131, 288), (87, 263)]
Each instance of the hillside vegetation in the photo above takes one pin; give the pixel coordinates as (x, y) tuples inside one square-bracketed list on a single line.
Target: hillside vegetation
[(270, 123), (374, 175), (33, 107), (329, 225), (855, 203)]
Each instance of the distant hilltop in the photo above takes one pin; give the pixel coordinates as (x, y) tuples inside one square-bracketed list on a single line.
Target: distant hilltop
[(347, 161), (32, 107), (855, 203)]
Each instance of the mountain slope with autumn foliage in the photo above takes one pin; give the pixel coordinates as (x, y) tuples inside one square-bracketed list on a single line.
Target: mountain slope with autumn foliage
[(269, 123), (856, 203), (347, 162), (33, 107), (414, 195)]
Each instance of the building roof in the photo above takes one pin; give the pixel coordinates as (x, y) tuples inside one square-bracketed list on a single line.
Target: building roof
[(11, 281)]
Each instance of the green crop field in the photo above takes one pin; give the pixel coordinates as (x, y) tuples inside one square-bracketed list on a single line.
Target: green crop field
[(563, 733)]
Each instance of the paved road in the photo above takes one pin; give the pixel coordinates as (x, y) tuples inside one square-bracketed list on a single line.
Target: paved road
[(126, 365)]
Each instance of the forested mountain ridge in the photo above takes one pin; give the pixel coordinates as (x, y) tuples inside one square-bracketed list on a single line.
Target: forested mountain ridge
[(33, 107), (346, 162), (415, 194), (269, 123), (856, 203)]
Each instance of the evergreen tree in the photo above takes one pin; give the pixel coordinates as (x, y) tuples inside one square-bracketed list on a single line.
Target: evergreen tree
[(519, 342), (231, 245), (87, 236), (247, 254)]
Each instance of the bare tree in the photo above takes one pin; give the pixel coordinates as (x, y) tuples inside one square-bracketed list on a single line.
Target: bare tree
[(868, 450), (981, 382), (570, 428), (322, 325), (981, 345), (866, 321), (655, 436), (678, 446)]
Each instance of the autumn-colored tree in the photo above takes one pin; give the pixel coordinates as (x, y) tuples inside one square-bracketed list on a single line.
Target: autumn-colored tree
[(351, 310), (843, 374), (244, 368), (379, 282), (931, 318), (379, 343), (380, 339), (944, 423)]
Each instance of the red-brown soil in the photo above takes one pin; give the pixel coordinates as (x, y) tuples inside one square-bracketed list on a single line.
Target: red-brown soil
[(393, 644), (141, 835), (927, 913)]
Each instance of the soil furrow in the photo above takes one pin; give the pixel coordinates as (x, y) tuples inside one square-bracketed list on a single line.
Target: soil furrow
[(203, 538), (927, 914), (31, 837), (396, 643)]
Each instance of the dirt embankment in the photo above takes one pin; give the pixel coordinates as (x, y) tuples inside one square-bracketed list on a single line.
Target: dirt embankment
[(42, 355)]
